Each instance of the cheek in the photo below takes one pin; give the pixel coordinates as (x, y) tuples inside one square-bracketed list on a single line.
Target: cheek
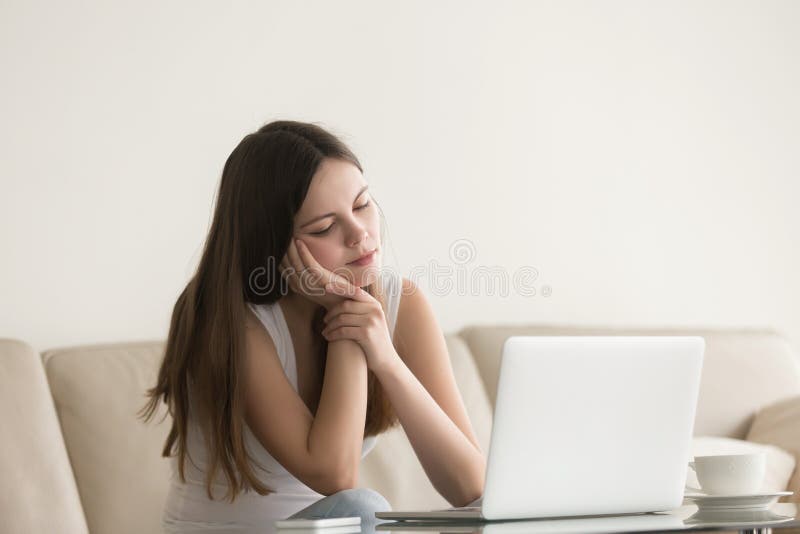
[(374, 227), (324, 255)]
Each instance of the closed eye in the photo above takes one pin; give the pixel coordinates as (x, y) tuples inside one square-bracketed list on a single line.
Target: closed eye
[(328, 229)]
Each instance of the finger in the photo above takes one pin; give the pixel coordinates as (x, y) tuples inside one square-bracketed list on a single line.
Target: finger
[(348, 306), (324, 275), (344, 332), (345, 319), (288, 269), (346, 289), (294, 258), (314, 274), (305, 255), (342, 283)]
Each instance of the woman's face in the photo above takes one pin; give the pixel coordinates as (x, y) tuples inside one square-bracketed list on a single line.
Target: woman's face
[(339, 221)]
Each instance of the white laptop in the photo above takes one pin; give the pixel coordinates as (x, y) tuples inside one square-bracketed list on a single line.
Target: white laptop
[(587, 425)]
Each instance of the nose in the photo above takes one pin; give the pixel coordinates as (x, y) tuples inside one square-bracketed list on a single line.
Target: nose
[(358, 237), (357, 234)]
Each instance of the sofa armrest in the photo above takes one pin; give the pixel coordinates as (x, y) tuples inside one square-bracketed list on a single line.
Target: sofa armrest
[(779, 424)]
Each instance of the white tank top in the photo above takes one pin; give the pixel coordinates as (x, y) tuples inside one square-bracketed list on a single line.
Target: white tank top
[(188, 507)]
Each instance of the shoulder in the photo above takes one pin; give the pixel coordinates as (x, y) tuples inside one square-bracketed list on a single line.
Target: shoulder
[(412, 300), (416, 320)]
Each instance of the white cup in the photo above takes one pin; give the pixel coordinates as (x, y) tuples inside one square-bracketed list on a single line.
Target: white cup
[(729, 474)]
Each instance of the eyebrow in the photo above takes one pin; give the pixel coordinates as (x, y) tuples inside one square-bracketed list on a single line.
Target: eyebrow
[(315, 219)]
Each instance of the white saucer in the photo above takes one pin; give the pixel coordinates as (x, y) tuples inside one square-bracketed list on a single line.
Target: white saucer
[(736, 518), (755, 501)]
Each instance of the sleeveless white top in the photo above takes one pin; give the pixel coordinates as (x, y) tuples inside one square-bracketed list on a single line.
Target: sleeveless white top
[(188, 508)]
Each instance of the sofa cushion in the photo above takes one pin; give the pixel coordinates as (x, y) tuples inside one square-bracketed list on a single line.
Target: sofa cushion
[(779, 424), (38, 493), (116, 458), (758, 362), (780, 463), (392, 467)]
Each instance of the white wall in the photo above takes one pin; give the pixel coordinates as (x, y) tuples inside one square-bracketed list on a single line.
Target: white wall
[(642, 156)]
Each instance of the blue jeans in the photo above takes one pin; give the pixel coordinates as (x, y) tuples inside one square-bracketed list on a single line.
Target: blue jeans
[(362, 502)]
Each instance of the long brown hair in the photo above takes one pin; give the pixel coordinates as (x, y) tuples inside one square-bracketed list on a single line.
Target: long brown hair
[(263, 184)]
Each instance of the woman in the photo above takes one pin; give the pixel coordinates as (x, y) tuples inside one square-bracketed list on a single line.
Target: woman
[(279, 376)]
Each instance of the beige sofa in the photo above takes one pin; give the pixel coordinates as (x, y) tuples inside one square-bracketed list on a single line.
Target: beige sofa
[(75, 459)]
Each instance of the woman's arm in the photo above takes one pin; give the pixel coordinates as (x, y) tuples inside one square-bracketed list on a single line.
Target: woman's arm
[(416, 375), (322, 451), (420, 384), (338, 429)]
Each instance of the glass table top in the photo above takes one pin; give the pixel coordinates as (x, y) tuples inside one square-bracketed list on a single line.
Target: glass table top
[(687, 518)]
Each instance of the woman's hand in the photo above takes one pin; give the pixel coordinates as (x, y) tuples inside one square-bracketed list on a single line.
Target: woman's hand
[(307, 277), (360, 318)]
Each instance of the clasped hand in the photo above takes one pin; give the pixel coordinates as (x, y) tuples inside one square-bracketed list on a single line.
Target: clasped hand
[(352, 313)]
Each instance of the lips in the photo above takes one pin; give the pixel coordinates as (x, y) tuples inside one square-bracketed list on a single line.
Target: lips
[(366, 258)]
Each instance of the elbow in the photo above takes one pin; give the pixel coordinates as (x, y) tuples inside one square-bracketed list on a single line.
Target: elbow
[(329, 487), (473, 494), (333, 471), (467, 496), (470, 490), (336, 480)]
